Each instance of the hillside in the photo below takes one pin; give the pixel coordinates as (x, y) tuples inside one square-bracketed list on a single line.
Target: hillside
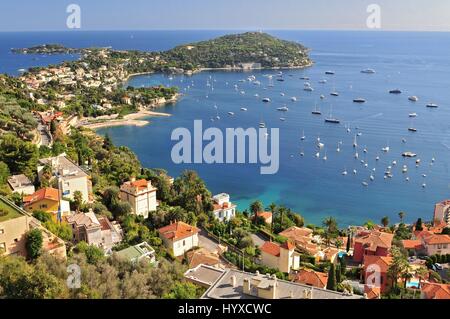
[(232, 50)]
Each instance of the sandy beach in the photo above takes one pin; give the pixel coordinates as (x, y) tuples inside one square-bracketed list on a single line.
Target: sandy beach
[(133, 119)]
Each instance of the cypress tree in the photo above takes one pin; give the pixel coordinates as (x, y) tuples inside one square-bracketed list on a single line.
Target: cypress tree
[(331, 283), (348, 242)]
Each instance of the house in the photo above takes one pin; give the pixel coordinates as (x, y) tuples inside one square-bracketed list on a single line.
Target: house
[(48, 200), (136, 253), (282, 257), (435, 244), (223, 210), (179, 237), (204, 257), (435, 291), (266, 216), (442, 213), (21, 184), (93, 230), (372, 243), (303, 239), (311, 278), (375, 272), (141, 195), (413, 246), (15, 223), (236, 284), (70, 177)]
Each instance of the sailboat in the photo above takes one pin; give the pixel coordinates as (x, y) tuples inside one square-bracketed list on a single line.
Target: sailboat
[(303, 136), (331, 119), (411, 128), (355, 143), (345, 172), (325, 157), (316, 111), (262, 124), (338, 148), (217, 112), (386, 149)]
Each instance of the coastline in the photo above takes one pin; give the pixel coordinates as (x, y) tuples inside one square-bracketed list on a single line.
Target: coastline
[(133, 119)]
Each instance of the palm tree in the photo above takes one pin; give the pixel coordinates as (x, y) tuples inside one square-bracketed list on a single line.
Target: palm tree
[(331, 229), (385, 221), (272, 207), (398, 267), (401, 215), (422, 273), (255, 208)]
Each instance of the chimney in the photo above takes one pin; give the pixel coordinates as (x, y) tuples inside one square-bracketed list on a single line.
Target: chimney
[(247, 286), (273, 290), (233, 281), (133, 179)]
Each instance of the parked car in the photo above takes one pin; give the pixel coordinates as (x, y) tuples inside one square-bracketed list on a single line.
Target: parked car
[(438, 266)]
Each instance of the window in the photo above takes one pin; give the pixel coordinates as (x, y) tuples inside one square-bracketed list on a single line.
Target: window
[(16, 240), (184, 243), (2, 231)]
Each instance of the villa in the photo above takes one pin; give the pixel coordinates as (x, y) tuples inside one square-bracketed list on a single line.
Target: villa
[(224, 210), (15, 223), (141, 195), (179, 237), (435, 291), (371, 243), (311, 278), (266, 216), (442, 213), (48, 200), (71, 177), (375, 272), (282, 257), (97, 231), (21, 184)]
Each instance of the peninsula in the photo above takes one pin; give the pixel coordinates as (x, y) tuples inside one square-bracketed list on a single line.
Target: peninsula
[(93, 86)]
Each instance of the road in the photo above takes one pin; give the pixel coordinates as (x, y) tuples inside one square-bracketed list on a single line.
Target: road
[(206, 242)]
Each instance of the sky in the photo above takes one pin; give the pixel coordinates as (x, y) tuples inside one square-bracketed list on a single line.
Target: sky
[(51, 15)]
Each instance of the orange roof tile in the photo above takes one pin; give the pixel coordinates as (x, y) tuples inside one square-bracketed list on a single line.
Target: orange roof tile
[(436, 239), (296, 233), (435, 290), (311, 278), (44, 193), (381, 261), (202, 256), (372, 292), (271, 248), (411, 244), (178, 230), (375, 239), (289, 245)]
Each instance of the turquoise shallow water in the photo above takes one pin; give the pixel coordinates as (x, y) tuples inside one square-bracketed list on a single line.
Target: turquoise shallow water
[(417, 63)]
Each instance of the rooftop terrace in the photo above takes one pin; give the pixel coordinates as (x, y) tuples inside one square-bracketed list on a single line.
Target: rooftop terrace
[(8, 210)]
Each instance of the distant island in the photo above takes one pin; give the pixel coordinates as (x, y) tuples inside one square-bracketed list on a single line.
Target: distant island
[(92, 87)]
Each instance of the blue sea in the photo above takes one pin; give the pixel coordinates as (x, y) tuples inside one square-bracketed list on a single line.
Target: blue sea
[(417, 63)]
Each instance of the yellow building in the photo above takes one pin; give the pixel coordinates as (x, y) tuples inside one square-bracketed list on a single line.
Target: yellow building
[(47, 200), (15, 223)]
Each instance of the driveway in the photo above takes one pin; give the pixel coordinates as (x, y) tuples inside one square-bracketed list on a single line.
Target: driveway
[(258, 240), (206, 242)]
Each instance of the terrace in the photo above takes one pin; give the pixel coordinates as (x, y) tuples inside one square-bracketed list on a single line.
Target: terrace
[(8, 210)]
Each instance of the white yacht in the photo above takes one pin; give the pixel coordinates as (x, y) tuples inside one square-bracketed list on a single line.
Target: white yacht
[(413, 98), (243, 109)]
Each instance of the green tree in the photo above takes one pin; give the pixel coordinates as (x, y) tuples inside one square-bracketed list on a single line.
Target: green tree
[(385, 221), (93, 254), (256, 207), (419, 224), (401, 215), (77, 200), (398, 267), (331, 229), (182, 290), (20, 156), (34, 240), (331, 282), (4, 173), (349, 242)]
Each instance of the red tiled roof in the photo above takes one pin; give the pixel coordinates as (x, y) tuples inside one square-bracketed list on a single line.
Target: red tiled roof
[(44, 193), (295, 232), (381, 261), (372, 292), (178, 230), (311, 278), (436, 239), (271, 248), (411, 244), (435, 290), (202, 256), (265, 215), (375, 239)]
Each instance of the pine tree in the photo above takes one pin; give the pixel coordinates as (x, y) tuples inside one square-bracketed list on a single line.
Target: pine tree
[(331, 283)]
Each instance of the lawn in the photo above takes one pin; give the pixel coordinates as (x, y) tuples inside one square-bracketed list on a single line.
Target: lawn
[(7, 211)]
